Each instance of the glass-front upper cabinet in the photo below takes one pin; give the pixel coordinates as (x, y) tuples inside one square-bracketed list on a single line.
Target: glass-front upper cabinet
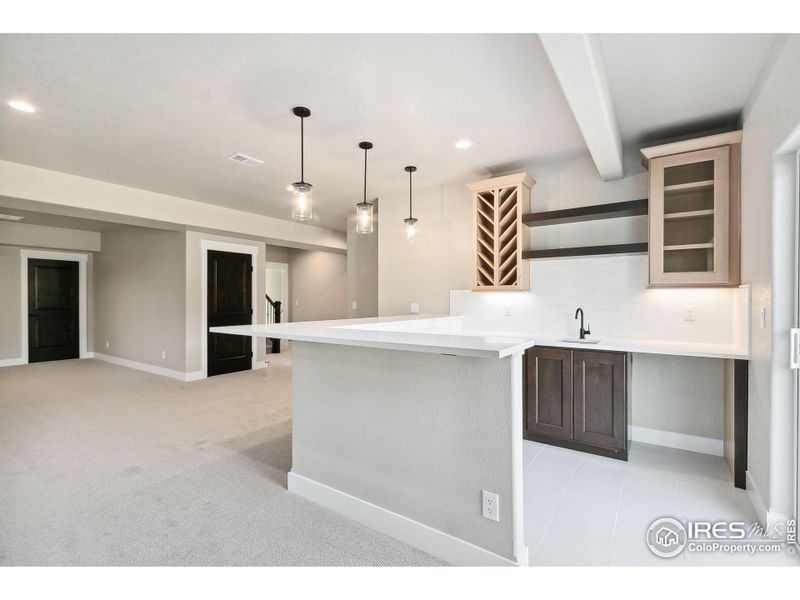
[(694, 211)]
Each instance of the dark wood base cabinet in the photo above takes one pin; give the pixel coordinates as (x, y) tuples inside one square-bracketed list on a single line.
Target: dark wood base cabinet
[(577, 399)]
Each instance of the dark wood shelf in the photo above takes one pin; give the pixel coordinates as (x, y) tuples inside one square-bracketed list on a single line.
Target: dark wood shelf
[(586, 251), (613, 210)]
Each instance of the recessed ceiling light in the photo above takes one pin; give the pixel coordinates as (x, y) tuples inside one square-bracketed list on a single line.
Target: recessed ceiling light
[(10, 218), (22, 106), (463, 144)]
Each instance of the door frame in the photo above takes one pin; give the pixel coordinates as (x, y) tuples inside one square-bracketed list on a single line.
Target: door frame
[(205, 246), (796, 324), (82, 260)]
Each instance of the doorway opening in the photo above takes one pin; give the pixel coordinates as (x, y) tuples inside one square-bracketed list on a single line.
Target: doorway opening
[(277, 300)]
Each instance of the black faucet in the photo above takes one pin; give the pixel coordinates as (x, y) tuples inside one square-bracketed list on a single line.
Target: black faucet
[(584, 332)]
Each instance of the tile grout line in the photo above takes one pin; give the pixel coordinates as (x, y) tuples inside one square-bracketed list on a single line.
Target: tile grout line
[(616, 516), (555, 512)]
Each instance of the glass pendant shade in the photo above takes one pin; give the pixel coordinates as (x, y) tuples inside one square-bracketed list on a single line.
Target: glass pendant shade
[(410, 229), (302, 204), (363, 217)]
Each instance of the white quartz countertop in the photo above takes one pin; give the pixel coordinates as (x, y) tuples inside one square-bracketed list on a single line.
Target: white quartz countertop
[(442, 334), (437, 334)]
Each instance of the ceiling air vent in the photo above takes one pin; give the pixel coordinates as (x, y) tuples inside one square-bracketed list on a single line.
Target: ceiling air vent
[(243, 159), (10, 218)]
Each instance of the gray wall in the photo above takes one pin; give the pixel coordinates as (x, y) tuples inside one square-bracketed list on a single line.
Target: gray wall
[(139, 302), (317, 285), (10, 325), (362, 269), (662, 388), (277, 254), (417, 434)]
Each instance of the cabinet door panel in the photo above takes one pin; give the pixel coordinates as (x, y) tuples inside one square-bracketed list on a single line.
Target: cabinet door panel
[(548, 406), (599, 398)]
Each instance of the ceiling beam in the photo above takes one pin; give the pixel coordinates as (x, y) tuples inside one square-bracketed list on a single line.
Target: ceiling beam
[(577, 61), (29, 188)]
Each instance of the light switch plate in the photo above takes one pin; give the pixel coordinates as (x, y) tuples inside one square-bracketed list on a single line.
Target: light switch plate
[(415, 308), (354, 305)]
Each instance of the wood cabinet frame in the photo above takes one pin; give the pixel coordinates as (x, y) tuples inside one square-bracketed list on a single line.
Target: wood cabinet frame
[(499, 234), (726, 202)]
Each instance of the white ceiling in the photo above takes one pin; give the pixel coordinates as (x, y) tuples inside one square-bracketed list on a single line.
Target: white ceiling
[(161, 112), (663, 83)]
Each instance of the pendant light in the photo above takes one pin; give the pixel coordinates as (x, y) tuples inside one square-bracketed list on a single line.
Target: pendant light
[(410, 227), (302, 209), (364, 208)]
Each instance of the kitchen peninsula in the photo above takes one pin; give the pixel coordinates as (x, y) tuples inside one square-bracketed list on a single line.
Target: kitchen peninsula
[(403, 422)]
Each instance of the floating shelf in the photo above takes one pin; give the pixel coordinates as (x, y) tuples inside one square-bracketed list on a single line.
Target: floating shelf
[(587, 251), (689, 187), (690, 214), (629, 208), (689, 247)]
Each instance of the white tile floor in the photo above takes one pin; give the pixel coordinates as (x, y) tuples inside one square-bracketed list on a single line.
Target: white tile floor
[(582, 509)]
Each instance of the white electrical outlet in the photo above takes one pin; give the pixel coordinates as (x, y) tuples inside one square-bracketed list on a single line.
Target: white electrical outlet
[(689, 313), (507, 310), (108, 344), (762, 314), (490, 506), (297, 302), (163, 355), (354, 304), (415, 308)]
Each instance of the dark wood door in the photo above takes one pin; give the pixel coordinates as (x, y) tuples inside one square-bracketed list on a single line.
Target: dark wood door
[(548, 393), (599, 384), (230, 302), (52, 310)]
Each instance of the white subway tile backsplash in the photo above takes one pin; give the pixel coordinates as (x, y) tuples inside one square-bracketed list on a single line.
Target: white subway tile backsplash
[(613, 292)]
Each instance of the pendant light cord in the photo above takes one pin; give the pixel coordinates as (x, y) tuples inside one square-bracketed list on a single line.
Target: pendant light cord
[(302, 150), (365, 174), (410, 216)]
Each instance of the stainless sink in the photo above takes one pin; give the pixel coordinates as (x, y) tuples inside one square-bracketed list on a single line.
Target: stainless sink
[(579, 341)]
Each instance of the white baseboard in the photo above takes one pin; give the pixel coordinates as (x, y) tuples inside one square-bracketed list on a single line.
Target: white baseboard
[(756, 499), (10, 362), (682, 441), (767, 518), (433, 541), (140, 366), (193, 376)]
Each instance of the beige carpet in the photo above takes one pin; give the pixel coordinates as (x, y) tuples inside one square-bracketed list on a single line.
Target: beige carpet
[(104, 465)]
